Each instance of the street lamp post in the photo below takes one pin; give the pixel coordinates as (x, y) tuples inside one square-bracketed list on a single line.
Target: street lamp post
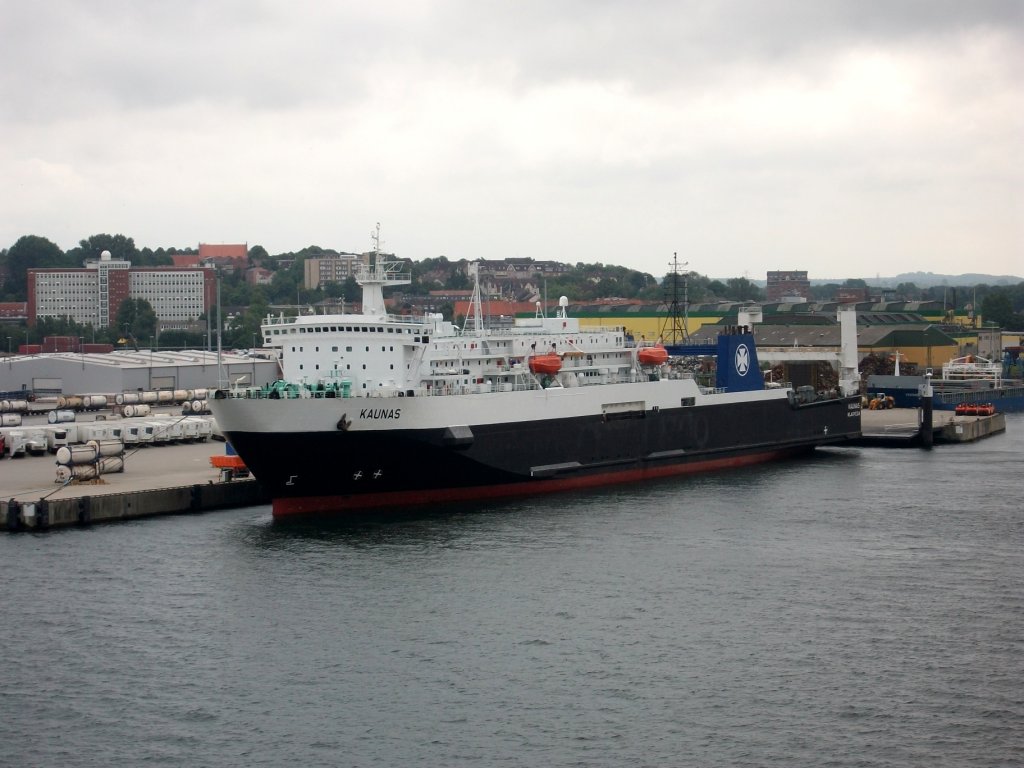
[(252, 356)]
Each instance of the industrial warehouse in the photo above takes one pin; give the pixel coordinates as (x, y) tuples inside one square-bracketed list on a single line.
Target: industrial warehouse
[(53, 374)]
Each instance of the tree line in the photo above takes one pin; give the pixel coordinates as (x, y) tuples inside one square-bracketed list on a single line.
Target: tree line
[(245, 306)]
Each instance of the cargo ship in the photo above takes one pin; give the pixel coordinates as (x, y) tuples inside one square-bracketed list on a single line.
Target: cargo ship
[(969, 385), (383, 411)]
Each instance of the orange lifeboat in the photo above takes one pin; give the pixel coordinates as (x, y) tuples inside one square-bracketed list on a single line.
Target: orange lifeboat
[(550, 363), (227, 462), (653, 355)]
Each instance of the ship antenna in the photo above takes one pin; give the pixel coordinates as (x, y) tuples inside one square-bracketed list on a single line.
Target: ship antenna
[(375, 236)]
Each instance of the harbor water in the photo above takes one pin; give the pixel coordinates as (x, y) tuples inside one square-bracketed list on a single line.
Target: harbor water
[(863, 607)]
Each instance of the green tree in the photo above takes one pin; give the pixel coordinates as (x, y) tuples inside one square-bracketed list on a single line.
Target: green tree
[(258, 256), (998, 308), (120, 247), (717, 288), (137, 319), (351, 290), (909, 291), (30, 252), (741, 289)]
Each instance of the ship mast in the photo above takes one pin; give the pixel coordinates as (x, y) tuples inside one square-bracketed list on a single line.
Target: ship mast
[(674, 329), (475, 310), (377, 275)]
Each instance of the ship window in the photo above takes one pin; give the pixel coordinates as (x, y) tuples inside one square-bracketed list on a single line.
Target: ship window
[(334, 329), (300, 366), (348, 367), (392, 366), (686, 401), (318, 366), (365, 329), (367, 349), (383, 348), (391, 330), (318, 349), (348, 349), (334, 349), (364, 366)]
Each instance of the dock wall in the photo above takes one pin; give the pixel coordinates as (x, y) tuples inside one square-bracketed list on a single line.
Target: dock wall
[(45, 514), (967, 431)]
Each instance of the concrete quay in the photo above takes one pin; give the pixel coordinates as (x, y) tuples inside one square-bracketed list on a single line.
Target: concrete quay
[(900, 428), (163, 480)]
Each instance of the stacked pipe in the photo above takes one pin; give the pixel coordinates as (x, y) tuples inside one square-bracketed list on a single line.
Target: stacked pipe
[(89, 461)]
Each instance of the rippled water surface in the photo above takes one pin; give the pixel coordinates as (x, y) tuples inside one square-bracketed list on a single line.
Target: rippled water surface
[(861, 608)]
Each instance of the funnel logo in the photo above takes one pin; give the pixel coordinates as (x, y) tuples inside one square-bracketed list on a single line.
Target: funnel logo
[(742, 359)]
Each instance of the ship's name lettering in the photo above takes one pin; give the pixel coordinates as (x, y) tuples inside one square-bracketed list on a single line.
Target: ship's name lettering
[(380, 413)]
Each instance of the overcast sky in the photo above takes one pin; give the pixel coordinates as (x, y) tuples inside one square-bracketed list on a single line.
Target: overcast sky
[(854, 138)]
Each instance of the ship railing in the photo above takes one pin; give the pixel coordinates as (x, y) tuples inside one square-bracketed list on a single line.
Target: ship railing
[(407, 319), (712, 390)]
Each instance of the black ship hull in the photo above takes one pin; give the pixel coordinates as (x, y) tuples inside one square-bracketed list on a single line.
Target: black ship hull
[(338, 471)]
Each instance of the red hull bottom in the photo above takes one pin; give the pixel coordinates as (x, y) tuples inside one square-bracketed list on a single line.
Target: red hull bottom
[(308, 505)]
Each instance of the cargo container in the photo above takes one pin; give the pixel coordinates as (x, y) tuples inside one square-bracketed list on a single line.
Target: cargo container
[(57, 437)]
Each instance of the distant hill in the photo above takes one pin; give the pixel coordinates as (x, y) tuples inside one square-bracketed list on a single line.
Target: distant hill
[(929, 279)]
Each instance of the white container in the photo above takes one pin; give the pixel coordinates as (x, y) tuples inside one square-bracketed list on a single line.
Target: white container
[(60, 417), (205, 427), (189, 430), (109, 464), (107, 447), (10, 419), (94, 402), (16, 443), (56, 438), (158, 432), (73, 455), (94, 431), (35, 442), (147, 397), (165, 397)]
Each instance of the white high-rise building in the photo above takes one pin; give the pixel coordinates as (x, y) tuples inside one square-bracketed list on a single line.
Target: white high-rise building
[(93, 294)]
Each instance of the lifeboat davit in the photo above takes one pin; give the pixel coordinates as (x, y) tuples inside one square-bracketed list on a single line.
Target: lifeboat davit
[(653, 355), (550, 363)]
